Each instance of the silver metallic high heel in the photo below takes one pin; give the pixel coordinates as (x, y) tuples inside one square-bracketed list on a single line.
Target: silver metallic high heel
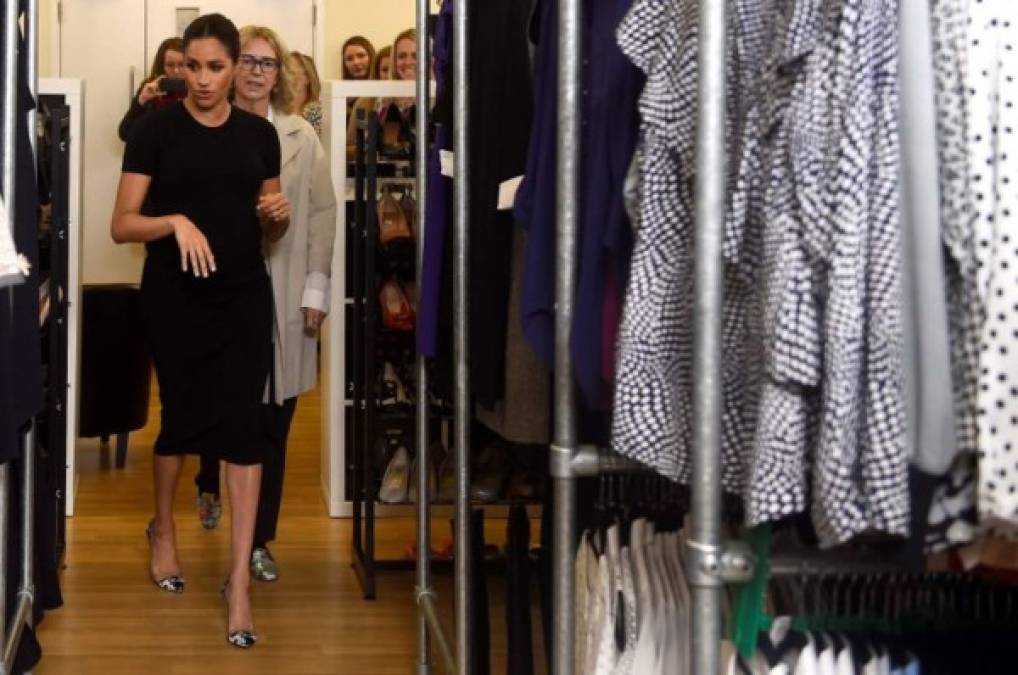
[(244, 638), (171, 584), (263, 565)]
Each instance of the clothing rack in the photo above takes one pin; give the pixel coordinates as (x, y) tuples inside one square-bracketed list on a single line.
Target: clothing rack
[(11, 636), (428, 624), (711, 562)]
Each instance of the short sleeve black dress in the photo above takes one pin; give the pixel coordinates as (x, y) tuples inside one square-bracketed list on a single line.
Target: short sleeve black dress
[(211, 338)]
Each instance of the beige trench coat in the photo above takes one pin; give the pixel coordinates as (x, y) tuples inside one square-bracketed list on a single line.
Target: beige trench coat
[(305, 248)]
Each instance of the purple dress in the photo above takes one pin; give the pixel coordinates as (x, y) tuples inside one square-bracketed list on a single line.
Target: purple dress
[(439, 200)]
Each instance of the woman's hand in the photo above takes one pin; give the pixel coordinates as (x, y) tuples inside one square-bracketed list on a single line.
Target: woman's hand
[(312, 320), (274, 207), (151, 90), (274, 213), (194, 247)]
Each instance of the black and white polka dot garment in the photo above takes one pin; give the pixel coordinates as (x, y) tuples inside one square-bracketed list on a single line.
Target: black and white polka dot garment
[(949, 20), (812, 316), (992, 78), (953, 518), (652, 417)]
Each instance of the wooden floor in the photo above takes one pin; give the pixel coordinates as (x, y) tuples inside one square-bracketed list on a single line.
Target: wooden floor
[(313, 620)]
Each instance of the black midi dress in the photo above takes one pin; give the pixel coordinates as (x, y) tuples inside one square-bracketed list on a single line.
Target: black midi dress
[(211, 338)]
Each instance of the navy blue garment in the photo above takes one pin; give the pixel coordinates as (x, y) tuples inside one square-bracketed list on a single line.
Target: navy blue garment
[(612, 86), (439, 194), (611, 89), (535, 199)]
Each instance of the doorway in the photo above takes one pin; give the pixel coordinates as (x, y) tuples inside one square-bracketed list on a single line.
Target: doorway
[(109, 45)]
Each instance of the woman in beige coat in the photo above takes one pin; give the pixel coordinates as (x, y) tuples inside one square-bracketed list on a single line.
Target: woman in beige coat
[(300, 263)]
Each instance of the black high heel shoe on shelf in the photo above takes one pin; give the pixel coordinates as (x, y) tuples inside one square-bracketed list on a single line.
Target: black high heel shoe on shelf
[(244, 638), (171, 584)]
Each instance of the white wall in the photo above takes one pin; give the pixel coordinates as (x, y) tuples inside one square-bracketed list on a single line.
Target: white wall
[(378, 20)]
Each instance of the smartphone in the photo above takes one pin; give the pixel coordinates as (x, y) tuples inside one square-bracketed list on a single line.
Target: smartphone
[(172, 85)]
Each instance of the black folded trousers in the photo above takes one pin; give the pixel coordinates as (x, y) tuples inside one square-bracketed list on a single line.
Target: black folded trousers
[(270, 497)]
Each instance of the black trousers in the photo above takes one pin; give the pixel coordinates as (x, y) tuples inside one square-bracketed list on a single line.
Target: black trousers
[(270, 498)]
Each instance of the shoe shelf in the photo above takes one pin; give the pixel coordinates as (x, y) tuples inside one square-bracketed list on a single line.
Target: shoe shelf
[(381, 352)]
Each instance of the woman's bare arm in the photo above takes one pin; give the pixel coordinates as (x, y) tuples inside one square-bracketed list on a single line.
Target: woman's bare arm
[(128, 224)]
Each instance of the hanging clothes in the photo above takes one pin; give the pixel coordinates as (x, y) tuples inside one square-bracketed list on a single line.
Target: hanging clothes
[(652, 418), (439, 192), (953, 518), (522, 415), (501, 108), (811, 381), (21, 394), (992, 70), (608, 136), (11, 265)]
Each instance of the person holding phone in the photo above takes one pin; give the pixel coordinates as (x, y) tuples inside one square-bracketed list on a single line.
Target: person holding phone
[(163, 86), (200, 187)]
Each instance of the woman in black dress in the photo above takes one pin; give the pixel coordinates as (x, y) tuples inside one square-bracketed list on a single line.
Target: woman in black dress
[(200, 187)]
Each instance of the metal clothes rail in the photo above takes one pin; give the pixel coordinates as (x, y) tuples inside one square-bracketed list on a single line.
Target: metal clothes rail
[(11, 636), (428, 624), (711, 561)]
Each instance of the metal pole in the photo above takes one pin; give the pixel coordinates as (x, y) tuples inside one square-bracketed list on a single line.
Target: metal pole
[(10, 62), (10, 101), (705, 540), (461, 339), (26, 591), (426, 607), (423, 460), (32, 45), (567, 188)]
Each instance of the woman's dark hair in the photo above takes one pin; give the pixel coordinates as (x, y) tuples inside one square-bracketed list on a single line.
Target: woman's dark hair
[(215, 26), (360, 41), (173, 44), (376, 67)]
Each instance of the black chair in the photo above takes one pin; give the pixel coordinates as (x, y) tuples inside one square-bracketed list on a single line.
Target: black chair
[(116, 366)]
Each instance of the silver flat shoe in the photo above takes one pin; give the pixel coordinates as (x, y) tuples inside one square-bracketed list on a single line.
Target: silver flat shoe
[(396, 481), (263, 565), (244, 638), (171, 584), (210, 510)]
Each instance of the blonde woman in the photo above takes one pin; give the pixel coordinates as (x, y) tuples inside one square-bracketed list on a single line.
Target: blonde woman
[(307, 90), (299, 263)]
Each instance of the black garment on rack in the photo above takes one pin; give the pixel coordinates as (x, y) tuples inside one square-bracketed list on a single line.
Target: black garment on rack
[(501, 108), (20, 345), (519, 647), (481, 625)]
